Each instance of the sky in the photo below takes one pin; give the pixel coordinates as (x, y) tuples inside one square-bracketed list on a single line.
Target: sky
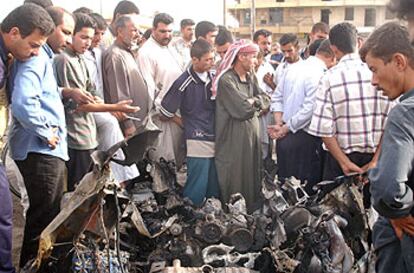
[(198, 10)]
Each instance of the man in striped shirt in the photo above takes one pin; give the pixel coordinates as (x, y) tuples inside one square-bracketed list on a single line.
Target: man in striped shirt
[(349, 113)]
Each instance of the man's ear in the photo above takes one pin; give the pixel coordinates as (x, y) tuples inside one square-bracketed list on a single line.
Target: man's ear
[(400, 61), (15, 33)]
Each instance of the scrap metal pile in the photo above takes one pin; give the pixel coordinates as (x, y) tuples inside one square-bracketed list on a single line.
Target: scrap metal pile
[(151, 228)]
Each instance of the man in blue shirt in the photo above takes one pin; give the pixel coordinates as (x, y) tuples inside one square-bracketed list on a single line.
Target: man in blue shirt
[(390, 57), (191, 94), (38, 135), (23, 32)]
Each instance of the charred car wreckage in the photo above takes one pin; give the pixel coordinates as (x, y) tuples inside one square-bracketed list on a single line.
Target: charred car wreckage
[(151, 228)]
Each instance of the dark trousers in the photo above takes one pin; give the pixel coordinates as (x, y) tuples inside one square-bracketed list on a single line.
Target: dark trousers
[(44, 177), (300, 155), (6, 224), (79, 164)]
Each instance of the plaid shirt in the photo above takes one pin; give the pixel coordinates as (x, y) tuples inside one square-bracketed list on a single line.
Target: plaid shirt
[(349, 108)]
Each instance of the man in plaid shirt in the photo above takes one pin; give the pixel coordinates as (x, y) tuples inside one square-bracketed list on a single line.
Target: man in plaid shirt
[(349, 114)]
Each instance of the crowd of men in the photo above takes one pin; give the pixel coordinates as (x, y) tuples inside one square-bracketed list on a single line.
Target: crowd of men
[(340, 105)]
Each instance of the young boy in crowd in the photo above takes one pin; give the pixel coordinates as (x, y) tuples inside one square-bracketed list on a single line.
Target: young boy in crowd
[(191, 95), (71, 71)]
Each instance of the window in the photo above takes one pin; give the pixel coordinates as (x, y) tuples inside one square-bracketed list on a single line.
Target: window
[(349, 14), (247, 18), (280, 0), (275, 15), (325, 15), (370, 18)]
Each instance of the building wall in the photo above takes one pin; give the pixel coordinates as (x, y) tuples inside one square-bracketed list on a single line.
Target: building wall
[(299, 15)]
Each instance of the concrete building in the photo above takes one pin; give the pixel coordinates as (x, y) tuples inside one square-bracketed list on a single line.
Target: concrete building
[(298, 16)]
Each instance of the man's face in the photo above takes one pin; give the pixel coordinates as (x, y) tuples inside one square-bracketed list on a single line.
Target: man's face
[(265, 44), (130, 34), (211, 37), (82, 40), (205, 63), (24, 49), (188, 33), (291, 52), (97, 37), (162, 33), (317, 35), (385, 76), (62, 36), (222, 49), (248, 61)]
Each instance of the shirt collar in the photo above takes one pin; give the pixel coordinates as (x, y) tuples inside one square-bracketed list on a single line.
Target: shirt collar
[(407, 95), (349, 57), (48, 50), (197, 79)]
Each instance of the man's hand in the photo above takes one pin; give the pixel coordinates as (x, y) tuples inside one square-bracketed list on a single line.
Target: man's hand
[(369, 165), (129, 131), (125, 107), (403, 225), (268, 79), (119, 116), (349, 168), (78, 95), (277, 131), (54, 141)]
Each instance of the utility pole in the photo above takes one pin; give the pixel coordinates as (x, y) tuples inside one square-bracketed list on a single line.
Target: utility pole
[(253, 18), (224, 13)]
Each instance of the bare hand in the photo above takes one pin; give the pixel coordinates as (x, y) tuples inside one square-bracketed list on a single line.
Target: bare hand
[(119, 116), (129, 131), (125, 106), (403, 225), (369, 165), (78, 95), (268, 79), (350, 168), (54, 141), (277, 131)]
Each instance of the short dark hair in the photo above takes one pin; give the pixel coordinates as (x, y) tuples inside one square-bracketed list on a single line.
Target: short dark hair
[(314, 46), (320, 27), (387, 40), (147, 34), (83, 10), (402, 8), (344, 37), (27, 18), (199, 48), (99, 20), (289, 38), (223, 37), (83, 20), (125, 7), (56, 13), (162, 18), (325, 49), (261, 32), (43, 3), (187, 22), (203, 28)]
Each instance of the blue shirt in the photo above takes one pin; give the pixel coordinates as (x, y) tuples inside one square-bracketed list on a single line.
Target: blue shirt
[(392, 180), (36, 108), (193, 97), (295, 93)]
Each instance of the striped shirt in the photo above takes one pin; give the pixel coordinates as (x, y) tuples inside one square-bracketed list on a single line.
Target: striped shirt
[(349, 108)]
